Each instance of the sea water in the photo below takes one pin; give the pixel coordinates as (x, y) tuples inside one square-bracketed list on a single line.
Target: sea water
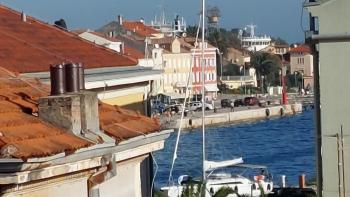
[(285, 145)]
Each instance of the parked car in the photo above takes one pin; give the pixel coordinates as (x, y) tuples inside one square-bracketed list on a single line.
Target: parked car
[(227, 103), (177, 108), (197, 106), (251, 101), (238, 103)]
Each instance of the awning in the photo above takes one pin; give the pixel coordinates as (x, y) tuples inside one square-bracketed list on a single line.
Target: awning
[(211, 88)]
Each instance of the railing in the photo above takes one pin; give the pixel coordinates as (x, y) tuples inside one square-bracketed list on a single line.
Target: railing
[(237, 78)]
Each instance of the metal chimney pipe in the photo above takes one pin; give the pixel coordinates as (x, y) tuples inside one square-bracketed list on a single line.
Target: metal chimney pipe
[(81, 77), (58, 79), (72, 78)]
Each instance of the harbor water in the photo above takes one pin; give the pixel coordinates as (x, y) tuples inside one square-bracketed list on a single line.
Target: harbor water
[(285, 145)]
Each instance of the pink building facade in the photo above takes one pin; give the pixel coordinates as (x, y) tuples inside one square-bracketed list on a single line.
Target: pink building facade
[(210, 75)]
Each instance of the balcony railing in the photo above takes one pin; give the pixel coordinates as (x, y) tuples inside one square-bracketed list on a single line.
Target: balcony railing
[(237, 78)]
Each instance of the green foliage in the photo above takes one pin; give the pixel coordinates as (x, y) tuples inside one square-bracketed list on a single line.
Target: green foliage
[(267, 66), (231, 70), (262, 193), (158, 193), (218, 39), (192, 31), (224, 191), (279, 41), (194, 189), (223, 39)]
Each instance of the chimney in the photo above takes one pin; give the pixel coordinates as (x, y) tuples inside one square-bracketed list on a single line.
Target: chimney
[(121, 48), (69, 106), (120, 19), (23, 17)]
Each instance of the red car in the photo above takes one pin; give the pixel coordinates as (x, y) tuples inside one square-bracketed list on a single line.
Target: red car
[(251, 101)]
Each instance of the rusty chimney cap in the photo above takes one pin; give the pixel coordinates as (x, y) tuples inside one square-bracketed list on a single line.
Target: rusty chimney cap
[(57, 66), (71, 65)]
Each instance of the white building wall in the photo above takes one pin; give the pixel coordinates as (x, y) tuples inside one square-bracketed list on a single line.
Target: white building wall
[(101, 41), (333, 17), (76, 187), (127, 182)]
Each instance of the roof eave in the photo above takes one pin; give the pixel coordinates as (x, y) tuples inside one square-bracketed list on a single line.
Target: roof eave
[(25, 172)]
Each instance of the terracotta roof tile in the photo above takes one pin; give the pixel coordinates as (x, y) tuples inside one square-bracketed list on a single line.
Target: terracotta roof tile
[(33, 45), (23, 135), (301, 49), (139, 28), (124, 124)]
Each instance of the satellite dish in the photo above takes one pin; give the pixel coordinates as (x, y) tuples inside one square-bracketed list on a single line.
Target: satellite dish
[(184, 34)]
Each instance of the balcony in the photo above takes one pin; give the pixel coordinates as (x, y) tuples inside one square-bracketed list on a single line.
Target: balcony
[(237, 78)]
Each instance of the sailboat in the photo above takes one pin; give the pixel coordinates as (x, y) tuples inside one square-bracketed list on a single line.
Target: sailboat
[(211, 179)]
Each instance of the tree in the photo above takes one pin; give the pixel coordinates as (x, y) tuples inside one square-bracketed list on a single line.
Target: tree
[(192, 31), (279, 41), (219, 40), (267, 66)]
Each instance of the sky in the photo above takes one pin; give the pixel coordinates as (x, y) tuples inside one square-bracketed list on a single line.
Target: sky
[(278, 18)]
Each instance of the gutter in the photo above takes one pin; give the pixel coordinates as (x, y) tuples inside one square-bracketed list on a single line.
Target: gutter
[(329, 38), (16, 172)]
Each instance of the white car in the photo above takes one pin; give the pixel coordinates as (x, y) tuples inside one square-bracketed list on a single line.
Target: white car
[(197, 106)]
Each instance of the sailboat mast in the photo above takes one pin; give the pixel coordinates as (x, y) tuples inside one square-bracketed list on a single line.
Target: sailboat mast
[(203, 89)]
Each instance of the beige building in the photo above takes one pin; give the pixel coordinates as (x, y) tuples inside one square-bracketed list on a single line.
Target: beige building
[(176, 65), (329, 31), (301, 61), (277, 49)]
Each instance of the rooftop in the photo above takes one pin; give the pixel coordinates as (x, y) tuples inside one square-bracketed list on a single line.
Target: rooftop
[(139, 28), (32, 45), (24, 135), (301, 49)]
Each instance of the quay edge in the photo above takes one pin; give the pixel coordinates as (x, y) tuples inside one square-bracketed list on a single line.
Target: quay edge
[(240, 116)]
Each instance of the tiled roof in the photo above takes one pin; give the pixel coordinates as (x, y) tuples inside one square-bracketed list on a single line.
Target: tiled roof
[(301, 49), (123, 124), (24, 135), (139, 28), (32, 46), (133, 52)]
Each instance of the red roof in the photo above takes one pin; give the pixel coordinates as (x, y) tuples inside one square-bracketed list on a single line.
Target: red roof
[(134, 53), (301, 49), (139, 28), (24, 135), (32, 46)]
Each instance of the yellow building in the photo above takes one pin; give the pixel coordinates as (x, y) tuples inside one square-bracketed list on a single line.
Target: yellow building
[(177, 61)]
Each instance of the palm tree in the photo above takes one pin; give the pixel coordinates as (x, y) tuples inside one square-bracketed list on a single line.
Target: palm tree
[(192, 31), (266, 66)]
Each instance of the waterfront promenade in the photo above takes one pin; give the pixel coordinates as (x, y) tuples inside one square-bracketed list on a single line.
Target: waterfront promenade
[(225, 115)]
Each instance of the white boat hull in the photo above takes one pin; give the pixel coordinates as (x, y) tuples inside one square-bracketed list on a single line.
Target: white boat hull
[(241, 185)]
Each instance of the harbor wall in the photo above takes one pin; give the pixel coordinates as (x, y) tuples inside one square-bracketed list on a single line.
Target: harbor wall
[(244, 115)]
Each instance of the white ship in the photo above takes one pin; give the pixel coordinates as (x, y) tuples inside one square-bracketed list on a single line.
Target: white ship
[(252, 42)]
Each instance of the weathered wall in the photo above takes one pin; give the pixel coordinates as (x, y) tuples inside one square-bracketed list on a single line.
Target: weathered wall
[(127, 182), (333, 17), (66, 187)]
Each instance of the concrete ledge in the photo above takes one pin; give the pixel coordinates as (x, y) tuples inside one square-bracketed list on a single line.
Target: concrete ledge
[(244, 115)]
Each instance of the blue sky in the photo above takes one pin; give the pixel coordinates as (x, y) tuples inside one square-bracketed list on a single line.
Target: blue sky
[(273, 17)]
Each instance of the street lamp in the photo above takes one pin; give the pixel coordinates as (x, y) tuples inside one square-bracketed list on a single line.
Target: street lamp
[(262, 84), (220, 54)]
